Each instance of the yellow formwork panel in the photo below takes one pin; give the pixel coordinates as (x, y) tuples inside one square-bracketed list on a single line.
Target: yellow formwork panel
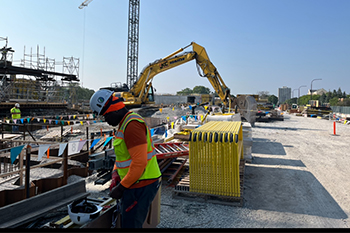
[(215, 150)]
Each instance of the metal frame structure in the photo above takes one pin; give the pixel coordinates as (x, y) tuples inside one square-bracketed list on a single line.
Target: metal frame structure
[(46, 86), (133, 42)]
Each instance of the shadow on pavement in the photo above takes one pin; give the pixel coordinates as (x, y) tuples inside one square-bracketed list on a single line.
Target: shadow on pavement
[(276, 161), (263, 146), (286, 128), (288, 190)]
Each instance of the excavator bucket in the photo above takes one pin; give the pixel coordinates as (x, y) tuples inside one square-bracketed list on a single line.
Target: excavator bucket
[(247, 107)]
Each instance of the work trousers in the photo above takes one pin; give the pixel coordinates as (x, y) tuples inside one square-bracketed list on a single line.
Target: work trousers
[(15, 128), (135, 204)]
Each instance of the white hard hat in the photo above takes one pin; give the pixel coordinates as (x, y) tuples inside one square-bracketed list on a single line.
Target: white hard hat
[(99, 99), (17, 105), (80, 212)]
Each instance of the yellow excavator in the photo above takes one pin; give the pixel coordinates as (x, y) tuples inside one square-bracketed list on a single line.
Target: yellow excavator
[(141, 93)]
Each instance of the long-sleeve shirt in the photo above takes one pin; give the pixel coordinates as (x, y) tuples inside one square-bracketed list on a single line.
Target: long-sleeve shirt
[(135, 137)]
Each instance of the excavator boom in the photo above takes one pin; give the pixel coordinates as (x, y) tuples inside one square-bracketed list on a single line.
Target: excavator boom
[(142, 91), (198, 53)]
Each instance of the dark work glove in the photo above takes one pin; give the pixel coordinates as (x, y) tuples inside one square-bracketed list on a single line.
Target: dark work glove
[(117, 192), (115, 180)]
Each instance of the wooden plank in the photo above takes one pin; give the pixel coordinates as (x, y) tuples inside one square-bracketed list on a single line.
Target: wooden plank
[(182, 190)]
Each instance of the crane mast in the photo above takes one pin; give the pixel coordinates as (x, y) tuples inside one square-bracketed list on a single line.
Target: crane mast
[(133, 42)]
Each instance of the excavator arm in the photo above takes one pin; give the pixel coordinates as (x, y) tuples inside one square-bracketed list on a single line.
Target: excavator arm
[(211, 73), (139, 91), (142, 91)]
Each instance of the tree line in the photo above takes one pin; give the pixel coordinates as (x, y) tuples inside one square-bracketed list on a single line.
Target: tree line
[(333, 98), (195, 90)]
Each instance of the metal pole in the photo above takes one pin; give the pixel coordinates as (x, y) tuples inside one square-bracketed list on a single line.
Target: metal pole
[(24, 131), (311, 88), (299, 93), (65, 165), (20, 166), (27, 184), (87, 139), (61, 132)]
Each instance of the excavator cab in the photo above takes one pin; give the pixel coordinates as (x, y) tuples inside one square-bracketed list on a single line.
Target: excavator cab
[(117, 87), (150, 94)]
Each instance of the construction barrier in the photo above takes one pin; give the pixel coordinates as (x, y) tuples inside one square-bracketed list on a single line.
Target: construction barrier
[(215, 152)]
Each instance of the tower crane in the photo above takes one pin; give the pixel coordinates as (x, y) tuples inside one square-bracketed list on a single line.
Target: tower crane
[(84, 4), (133, 40)]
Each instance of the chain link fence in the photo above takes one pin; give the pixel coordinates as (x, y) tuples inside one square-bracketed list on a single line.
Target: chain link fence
[(341, 109)]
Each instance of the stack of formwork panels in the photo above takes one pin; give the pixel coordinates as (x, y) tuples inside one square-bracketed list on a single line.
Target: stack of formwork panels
[(247, 141), (216, 149)]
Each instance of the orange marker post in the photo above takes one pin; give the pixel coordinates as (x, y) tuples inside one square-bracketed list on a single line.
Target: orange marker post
[(334, 127)]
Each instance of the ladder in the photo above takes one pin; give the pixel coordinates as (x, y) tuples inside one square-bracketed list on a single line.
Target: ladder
[(171, 150)]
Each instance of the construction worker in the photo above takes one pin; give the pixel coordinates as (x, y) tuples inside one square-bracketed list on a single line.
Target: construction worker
[(135, 177), (15, 114)]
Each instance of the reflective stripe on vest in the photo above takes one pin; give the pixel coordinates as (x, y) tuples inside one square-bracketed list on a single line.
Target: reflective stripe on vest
[(120, 133), (128, 119), (15, 113), (123, 161), (126, 164)]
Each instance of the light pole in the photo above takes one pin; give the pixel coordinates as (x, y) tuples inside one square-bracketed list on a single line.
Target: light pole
[(311, 87), (299, 93), (293, 91)]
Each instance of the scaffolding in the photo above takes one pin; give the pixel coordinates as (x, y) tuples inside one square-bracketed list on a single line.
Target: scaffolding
[(6, 59), (45, 87)]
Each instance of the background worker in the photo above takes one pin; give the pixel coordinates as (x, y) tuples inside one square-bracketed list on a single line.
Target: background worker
[(15, 114), (135, 177)]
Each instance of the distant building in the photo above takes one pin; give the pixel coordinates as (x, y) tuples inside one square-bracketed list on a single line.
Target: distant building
[(317, 92), (284, 94)]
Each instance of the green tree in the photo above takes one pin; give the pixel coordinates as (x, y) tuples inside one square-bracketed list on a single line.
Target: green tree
[(339, 93), (322, 98), (333, 101), (345, 102), (84, 93), (273, 99), (185, 91), (201, 90), (334, 93), (291, 101), (263, 94), (328, 96), (304, 100)]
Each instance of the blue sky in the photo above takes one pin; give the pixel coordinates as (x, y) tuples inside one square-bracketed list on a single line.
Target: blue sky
[(256, 45)]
